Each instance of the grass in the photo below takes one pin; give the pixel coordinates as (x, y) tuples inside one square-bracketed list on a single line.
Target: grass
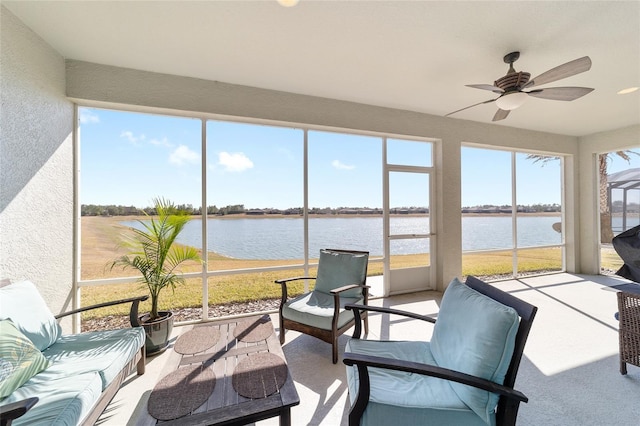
[(100, 244), (609, 259)]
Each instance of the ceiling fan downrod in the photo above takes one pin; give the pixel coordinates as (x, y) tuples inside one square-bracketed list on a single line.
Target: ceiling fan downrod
[(513, 81)]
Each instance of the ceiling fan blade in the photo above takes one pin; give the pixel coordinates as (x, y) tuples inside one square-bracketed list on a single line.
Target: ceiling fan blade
[(501, 114), (561, 93), (561, 71), (486, 87), (471, 106)]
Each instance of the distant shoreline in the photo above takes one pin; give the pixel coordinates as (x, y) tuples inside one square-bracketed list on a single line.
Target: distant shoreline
[(329, 216)]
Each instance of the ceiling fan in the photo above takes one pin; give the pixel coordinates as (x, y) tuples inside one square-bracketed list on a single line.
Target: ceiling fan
[(512, 86)]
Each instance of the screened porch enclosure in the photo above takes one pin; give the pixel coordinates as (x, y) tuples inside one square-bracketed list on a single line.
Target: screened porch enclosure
[(275, 195)]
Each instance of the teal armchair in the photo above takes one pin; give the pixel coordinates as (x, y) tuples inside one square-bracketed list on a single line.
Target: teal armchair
[(321, 313), (464, 375)]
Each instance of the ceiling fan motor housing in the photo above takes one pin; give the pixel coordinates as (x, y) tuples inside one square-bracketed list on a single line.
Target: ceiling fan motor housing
[(512, 81)]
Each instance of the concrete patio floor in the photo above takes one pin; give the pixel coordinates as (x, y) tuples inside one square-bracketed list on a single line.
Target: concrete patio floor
[(570, 370)]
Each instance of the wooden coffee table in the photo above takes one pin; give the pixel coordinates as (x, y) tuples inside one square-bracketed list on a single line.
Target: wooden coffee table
[(237, 339)]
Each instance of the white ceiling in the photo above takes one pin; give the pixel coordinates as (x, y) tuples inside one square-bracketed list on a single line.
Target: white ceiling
[(413, 55)]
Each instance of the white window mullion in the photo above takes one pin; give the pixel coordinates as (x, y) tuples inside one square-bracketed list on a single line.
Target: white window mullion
[(205, 243), (514, 214), (305, 207)]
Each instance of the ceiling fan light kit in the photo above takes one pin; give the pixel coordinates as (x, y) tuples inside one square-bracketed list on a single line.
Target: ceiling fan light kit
[(511, 86), (628, 90), (288, 3), (511, 101)]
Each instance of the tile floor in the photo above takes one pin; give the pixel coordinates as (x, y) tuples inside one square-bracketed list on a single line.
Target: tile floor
[(569, 371)]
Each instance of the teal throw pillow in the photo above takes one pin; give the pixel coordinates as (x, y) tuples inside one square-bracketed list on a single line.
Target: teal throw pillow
[(21, 302), (19, 359)]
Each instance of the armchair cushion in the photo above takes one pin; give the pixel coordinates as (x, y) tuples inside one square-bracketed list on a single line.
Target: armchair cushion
[(316, 309), (21, 302), (19, 359), (407, 399), (474, 334), (336, 269)]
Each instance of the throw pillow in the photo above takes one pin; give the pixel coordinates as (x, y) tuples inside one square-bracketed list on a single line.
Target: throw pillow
[(19, 359), (21, 302)]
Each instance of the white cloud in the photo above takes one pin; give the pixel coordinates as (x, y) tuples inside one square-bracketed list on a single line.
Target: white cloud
[(183, 155), (286, 154), (234, 162), (340, 166), (161, 142), (87, 117), (131, 137)]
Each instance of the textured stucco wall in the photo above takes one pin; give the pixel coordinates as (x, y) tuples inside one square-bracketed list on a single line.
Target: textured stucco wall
[(36, 164)]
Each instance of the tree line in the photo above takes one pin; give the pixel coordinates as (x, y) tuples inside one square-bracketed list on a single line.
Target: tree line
[(120, 210)]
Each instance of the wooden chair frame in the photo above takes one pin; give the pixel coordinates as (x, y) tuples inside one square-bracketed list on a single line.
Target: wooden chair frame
[(329, 336), (509, 401)]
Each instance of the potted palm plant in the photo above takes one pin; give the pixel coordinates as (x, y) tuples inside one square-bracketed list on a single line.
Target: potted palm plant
[(151, 250)]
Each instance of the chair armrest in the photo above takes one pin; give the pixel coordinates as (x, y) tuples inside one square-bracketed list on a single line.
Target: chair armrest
[(336, 305), (283, 283), (358, 309), (12, 411), (380, 309), (348, 287), (364, 361), (286, 280), (133, 313)]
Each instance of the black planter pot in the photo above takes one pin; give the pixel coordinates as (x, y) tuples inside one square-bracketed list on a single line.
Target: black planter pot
[(158, 331)]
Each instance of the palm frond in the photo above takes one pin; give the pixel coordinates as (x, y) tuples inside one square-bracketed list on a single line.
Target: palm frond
[(152, 250)]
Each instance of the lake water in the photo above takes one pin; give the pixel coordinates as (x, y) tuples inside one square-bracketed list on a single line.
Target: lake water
[(282, 238)]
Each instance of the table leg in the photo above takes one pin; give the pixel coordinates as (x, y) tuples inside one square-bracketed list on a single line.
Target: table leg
[(285, 417)]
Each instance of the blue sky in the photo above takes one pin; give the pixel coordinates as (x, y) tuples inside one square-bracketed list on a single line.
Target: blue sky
[(131, 158)]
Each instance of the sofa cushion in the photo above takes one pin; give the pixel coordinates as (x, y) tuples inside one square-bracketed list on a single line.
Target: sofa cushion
[(106, 352), (316, 309), (476, 335), (19, 359), (21, 302), (337, 269), (63, 400), (407, 399)]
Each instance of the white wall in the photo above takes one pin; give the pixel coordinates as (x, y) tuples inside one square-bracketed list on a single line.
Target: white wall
[(36, 164), (101, 85)]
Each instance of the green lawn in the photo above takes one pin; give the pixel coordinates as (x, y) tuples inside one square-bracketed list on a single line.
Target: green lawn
[(256, 286)]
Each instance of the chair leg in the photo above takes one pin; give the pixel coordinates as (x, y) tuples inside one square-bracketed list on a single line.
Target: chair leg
[(334, 349), (282, 329), (623, 367), (508, 413), (366, 325), (140, 367)]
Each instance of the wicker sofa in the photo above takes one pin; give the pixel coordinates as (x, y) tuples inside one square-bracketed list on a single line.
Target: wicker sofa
[(54, 379)]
